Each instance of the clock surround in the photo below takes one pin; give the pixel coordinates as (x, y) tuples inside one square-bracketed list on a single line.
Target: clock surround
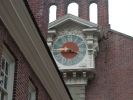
[(78, 75), (69, 50)]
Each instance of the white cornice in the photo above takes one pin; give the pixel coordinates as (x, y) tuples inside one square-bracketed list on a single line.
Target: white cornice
[(20, 26), (71, 18)]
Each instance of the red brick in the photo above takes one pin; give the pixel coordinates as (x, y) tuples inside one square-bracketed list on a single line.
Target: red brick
[(114, 70)]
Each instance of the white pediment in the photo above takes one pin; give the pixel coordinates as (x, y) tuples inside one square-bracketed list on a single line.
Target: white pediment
[(72, 18)]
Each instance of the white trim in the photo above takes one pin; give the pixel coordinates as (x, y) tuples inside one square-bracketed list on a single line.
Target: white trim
[(11, 68), (10, 89), (72, 18), (17, 20), (32, 92)]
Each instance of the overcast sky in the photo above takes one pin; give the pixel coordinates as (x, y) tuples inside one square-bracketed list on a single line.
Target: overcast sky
[(120, 15)]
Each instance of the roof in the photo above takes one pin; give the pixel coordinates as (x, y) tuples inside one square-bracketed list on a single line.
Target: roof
[(122, 34)]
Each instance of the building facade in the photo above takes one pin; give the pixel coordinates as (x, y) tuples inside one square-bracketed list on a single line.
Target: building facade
[(28, 70), (113, 63)]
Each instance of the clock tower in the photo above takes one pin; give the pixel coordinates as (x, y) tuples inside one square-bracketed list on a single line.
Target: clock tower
[(74, 44)]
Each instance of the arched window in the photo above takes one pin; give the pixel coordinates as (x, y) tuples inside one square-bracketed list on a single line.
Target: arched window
[(73, 9), (52, 13), (93, 13)]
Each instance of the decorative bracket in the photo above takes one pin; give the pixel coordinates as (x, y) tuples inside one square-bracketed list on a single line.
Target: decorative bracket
[(76, 82), (51, 35)]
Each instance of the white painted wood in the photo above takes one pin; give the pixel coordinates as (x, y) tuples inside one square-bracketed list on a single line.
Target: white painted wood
[(11, 68)]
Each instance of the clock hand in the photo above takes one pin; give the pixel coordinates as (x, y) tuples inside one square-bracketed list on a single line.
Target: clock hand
[(65, 49), (75, 51), (71, 50)]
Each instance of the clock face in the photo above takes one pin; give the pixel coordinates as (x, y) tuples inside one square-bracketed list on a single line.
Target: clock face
[(69, 49)]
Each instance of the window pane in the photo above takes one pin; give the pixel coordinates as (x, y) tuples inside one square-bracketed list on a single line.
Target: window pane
[(2, 96), (3, 63), (1, 78), (6, 70), (5, 82)]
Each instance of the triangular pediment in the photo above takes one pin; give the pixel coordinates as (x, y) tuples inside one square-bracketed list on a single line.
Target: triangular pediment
[(73, 19)]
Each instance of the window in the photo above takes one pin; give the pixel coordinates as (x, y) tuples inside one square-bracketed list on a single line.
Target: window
[(6, 75), (52, 13), (32, 92), (73, 9), (93, 13)]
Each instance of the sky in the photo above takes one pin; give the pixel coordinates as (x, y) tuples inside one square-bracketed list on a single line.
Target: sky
[(120, 15)]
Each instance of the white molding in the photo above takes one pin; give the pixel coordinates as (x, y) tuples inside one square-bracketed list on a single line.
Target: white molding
[(17, 20), (11, 69), (31, 91), (72, 18)]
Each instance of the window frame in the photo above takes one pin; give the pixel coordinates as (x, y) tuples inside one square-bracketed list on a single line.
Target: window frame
[(8, 92), (32, 92)]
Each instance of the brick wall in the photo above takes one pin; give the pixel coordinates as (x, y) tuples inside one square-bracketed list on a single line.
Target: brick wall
[(23, 71), (40, 11), (114, 70)]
